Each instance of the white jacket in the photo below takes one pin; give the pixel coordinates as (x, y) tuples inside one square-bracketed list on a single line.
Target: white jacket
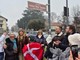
[(2, 43)]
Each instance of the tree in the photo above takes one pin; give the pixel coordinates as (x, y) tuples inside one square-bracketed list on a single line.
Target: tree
[(76, 11), (22, 23), (36, 24), (29, 15), (76, 16)]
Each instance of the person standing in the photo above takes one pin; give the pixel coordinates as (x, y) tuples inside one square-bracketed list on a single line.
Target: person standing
[(22, 40), (65, 41), (67, 33), (70, 30), (2, 46), (59, 32), (40, 39), (11, 52), (74, 40)]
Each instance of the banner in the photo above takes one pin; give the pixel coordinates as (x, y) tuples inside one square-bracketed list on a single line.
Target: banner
[(36, 6)]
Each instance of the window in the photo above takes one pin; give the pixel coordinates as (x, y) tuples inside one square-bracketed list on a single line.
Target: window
[(0, 25), (1, 21)]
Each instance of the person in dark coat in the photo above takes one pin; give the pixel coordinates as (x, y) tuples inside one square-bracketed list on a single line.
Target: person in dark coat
[(65, 41), (51, 45), (70, 30), (11, 52), (59, 32), (40, 38), (64, 37)]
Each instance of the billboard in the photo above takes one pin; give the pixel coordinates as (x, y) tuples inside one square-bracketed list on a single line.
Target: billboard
[(36, 6)]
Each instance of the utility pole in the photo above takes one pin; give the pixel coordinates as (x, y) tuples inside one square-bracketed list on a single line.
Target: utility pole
[(67, 19), (49, 15)]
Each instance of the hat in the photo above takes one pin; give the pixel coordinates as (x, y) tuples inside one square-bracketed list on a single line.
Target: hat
[(74, 39), (21, 29)]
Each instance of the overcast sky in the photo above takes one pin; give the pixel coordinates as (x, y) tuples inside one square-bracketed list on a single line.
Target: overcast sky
[(13, 9)]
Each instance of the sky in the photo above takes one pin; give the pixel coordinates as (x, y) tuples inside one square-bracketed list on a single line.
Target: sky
[(13, 9)]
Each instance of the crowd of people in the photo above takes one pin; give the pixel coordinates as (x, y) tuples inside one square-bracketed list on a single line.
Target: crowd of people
[(63, 46)]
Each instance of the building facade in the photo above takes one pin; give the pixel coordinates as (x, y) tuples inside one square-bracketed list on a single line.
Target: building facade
[(55, 24), (3, 24)]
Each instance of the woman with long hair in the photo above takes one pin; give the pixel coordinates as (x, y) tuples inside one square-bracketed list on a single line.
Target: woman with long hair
[(22, 40)]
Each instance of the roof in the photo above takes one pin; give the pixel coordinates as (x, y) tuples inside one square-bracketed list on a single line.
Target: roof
[(4, 18)]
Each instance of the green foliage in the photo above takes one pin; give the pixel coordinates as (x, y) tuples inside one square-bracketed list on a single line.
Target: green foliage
[(27, 20), (36, 24)]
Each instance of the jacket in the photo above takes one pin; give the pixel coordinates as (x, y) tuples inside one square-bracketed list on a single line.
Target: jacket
[(61, 34), (22, 42), (2, 43), (65, 43), (41, 40), (9, 51)]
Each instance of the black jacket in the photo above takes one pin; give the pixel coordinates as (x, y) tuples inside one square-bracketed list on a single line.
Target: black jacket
[(48, 54), (9, 51), (65, 40), (41, 40)]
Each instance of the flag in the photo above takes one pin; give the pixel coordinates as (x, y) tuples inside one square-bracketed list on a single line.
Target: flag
[(33, 51)]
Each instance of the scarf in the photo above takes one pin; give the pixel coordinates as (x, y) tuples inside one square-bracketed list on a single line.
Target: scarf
[(15, 45)]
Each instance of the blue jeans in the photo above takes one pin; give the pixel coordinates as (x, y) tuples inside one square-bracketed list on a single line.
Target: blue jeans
[(1, 55)]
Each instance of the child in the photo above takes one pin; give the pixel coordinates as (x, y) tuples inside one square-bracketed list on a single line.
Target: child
[(55, 50)]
